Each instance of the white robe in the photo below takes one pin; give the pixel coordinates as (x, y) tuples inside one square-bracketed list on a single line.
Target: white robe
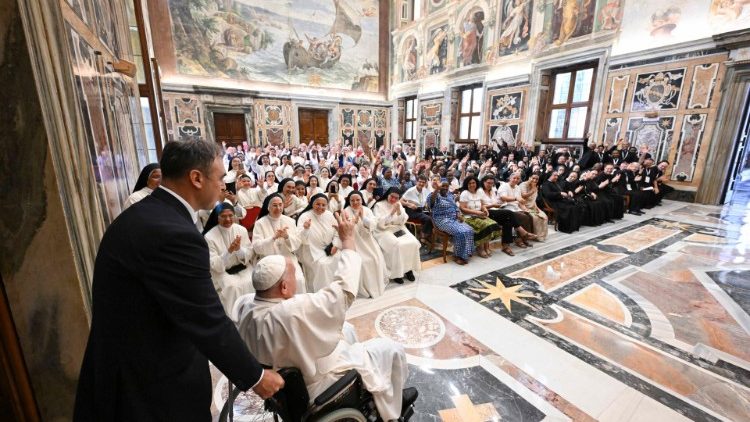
[(230, 286), (297, 206), (343, 193), (401, 253), (317, 266), (136, 196), (369, 199), (264, 244), (372, 282), (249, 197), (307, 332)]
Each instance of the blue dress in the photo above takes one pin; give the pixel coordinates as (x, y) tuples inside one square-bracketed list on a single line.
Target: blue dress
[(444, 212)]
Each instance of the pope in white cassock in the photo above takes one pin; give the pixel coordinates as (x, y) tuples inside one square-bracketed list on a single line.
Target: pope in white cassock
[(307, 331)]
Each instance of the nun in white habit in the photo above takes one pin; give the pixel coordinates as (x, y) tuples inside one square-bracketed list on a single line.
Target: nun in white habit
[(276, 234), (148, 180), (231, 255), (400, 247), (320, 242), (373, 281), (307, 331)]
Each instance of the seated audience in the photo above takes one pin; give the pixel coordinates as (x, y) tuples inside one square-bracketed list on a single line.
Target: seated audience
[(527, 197), (400, 247), (276, 234), (509, 193), (231, 254), (293, 205), (447, 217), (372, 281), (415, 201), (476, 215), (320, 243), (568, 214)]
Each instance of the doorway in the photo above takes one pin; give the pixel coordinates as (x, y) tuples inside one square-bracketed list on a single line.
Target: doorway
[(738, 182), (230, 128), (313, 125)]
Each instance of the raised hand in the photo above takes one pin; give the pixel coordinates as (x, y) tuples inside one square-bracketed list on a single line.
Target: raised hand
[(235, 245), (307, 223)]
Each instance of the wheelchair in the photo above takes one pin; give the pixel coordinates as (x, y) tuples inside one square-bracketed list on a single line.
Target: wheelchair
[(345, 401)]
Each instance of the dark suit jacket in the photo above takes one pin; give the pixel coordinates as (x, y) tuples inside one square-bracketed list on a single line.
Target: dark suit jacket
[(156, 321)]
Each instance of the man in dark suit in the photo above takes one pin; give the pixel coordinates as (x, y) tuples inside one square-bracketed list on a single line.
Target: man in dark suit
[(156, 318)]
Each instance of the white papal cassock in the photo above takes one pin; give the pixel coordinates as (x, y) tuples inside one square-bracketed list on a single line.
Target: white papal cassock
[(230, 286), (264, 244), (306, 332), (401, 253)]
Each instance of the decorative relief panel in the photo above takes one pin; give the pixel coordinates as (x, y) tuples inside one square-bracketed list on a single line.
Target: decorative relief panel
[(430, 121), (704, 81), (656, 134), (658, 90), (500, 133), (618, 92), (273, 122), (365, 126), (505, 111), (693, 128), (612, 128), (661, 118), (506, 106), (185, 116)]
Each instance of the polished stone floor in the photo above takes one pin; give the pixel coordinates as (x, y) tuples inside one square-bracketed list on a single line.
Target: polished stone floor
[(642, 320)]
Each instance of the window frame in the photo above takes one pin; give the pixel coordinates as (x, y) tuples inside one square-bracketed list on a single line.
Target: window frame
[(413, 120), (569, 104), (472, 114)]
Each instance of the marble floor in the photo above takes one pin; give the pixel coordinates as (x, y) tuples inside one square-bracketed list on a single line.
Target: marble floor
[(646, 319)]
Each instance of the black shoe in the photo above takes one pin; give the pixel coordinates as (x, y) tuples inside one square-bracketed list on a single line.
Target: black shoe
[(398, 280), (609, 221), (409, 276), (408, 397)]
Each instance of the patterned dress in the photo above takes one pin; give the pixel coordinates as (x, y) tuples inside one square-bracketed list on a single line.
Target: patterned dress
[(444, 212)]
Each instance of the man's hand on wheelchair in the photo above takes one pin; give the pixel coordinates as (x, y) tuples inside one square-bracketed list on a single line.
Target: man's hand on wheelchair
[(269, 384)]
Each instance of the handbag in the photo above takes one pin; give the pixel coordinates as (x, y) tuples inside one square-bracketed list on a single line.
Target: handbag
[(236, 269)]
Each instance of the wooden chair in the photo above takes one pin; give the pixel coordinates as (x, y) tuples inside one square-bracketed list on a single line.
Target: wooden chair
[(444, 239), (547, 208), (415, 226)]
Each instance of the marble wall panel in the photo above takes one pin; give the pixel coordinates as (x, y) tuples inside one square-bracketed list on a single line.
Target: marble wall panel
[(661, 100), (659, 90), (430, 123), (611, 132), (186, 116), (656, 134), (702, 86), (505, 113), (618, 93), (688, 148)]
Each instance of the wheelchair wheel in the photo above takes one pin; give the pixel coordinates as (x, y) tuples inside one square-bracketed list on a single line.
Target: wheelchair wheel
[(344, 415)]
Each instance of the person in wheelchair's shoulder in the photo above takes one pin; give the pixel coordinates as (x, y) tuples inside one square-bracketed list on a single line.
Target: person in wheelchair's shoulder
[(309, 331)]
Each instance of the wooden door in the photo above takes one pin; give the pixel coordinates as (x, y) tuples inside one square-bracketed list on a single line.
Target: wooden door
[(313, 124), (230, 128)]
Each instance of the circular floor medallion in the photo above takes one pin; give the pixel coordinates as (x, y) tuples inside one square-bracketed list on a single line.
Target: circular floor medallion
[(410, 326)]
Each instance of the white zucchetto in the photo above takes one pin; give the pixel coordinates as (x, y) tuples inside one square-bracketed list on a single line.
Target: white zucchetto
[(268, 272)]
